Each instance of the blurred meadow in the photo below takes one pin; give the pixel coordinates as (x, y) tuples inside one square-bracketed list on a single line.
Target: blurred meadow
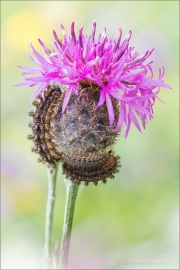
[(132, 221)]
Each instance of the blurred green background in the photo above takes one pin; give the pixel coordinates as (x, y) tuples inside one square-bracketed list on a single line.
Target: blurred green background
[(132, 221)]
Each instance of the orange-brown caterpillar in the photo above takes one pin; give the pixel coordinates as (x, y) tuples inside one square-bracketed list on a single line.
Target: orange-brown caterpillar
[(91, 169), (43, 144)]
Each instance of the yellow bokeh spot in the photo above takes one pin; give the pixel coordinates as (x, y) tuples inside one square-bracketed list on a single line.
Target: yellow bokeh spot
[(26, 26), (24, 198), (28, 201)]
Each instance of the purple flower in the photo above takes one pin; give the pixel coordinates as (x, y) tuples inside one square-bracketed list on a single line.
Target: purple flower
[(113, 65)]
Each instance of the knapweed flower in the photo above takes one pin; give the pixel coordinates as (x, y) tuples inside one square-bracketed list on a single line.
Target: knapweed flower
[(89, 89)]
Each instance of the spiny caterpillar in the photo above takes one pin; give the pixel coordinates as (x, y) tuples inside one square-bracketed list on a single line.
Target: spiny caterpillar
[(80, 137), (91, 169), (43, 139)]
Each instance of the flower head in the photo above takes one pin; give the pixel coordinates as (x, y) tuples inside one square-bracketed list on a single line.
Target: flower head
[(110, 63)]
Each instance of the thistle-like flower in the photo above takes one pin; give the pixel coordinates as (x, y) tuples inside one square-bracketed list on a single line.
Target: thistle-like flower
[(88, 89)]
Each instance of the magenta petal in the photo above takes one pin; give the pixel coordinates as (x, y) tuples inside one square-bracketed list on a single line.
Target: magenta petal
[(73, 33), (121, 117), (90, 65), (80, 37), (37, 92), (28, 68), (144, 119), (21, 84), (57, 39), (120, 97), (94, 31), (127, 126), (44, 47), (66, 98), (133, 117), (119, 40), (63, 31), (149, 96), (139, 108), (102, 98), (110, 109)]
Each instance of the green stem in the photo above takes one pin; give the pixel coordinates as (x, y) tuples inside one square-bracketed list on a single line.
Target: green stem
[(72, 190), (52, 174)]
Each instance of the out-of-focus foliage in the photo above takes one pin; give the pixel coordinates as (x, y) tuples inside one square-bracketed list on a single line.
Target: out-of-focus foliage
[(131, 222)]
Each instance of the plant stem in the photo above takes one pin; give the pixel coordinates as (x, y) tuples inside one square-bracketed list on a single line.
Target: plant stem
[(52, 174), (72, 190)]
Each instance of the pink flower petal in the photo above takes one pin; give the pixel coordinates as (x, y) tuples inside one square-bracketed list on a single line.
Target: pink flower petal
[(66, 98), (102, 98), (110, 109), (133, 117), (121, 119), (37, 92)]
